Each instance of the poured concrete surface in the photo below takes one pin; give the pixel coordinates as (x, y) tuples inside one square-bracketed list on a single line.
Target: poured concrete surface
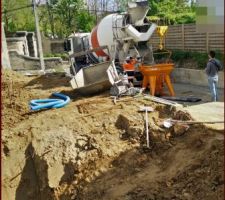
[(204, 110), (212, 111), (182, 90)]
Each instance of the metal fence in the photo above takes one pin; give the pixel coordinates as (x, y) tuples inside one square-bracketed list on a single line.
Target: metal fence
[(184, 37)]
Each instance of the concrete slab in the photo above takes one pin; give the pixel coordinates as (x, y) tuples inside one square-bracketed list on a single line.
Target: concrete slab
[(213, 111), (182, 90)]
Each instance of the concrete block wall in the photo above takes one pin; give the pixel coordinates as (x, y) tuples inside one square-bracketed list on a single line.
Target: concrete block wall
[(18, 43), (32, 44), (21, 62), (52, 46), (194, 77)]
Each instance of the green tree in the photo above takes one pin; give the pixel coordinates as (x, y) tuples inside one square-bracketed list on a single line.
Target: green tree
[(85, 22), (61, 17), (66, 12), (17, 19), (173, 11)]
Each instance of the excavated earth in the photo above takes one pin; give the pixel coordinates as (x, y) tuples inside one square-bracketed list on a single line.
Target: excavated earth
[(93, 149)]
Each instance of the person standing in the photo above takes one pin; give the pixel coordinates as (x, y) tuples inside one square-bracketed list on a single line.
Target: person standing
[(212, 68)]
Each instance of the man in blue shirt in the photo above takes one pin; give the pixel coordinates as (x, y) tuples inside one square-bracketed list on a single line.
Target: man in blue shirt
[(212, 68)]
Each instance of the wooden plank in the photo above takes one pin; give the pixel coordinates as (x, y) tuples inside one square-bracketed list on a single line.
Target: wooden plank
[(190, 30), (191, 47), (174, 41), (174, 30), (194, 34), (173, 46), (194, 39), (216, 34), (203, 44), (216, 46), (174, 34), (216, 40), (216, 43), (195, 45), (173, 38)]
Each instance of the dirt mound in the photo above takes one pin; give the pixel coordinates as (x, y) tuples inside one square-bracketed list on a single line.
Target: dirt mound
[(93, 149), (18, 90), (190, 169)]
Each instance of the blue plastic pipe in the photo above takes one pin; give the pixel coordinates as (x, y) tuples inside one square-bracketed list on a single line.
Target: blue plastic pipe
[(38, 104), (62, 96)]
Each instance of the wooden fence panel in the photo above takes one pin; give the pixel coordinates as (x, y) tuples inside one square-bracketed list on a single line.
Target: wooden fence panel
[(184, 37)]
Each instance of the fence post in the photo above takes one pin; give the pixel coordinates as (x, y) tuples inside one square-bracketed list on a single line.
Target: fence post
[(182, 35), (207, 42), (164, 41)]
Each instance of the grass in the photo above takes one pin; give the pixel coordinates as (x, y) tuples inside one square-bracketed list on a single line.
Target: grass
[(64, 56)]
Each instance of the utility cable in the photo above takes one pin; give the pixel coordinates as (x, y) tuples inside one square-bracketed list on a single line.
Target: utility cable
[(15, 9)]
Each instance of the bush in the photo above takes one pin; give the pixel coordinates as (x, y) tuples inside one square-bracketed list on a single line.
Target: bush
[(200, 58)]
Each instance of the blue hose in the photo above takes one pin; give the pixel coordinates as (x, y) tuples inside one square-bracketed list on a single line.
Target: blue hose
[(38, 104), (61, 104)]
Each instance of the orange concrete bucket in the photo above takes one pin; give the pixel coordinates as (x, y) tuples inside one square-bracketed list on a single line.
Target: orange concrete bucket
[(156, 76)]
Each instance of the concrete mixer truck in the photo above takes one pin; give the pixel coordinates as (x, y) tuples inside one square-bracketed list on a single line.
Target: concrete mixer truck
[(121, 37), (124, 34)]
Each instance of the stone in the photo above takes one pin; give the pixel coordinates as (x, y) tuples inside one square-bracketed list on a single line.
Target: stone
[(179, 129)]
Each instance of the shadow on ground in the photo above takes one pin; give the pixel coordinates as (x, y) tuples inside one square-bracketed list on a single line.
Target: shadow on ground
[(49, 81)]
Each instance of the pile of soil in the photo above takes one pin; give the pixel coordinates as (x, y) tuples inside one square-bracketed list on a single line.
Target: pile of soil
[(93, 149)]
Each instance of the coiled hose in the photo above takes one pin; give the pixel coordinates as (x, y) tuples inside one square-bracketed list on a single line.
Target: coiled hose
[(38, 104)]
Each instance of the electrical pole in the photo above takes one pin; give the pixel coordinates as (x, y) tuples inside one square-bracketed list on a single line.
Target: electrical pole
[(40, 50)]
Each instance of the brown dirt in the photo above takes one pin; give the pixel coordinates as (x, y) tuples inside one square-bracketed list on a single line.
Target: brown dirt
[(93, 149)]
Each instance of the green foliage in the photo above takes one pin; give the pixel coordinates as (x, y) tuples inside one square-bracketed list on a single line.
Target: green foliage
[(200, 58), (64, 56), (85, 21), (58, 18), (122, 5), (22, 19), (186, 18), (173, 11), (62, 17), (65, 17)]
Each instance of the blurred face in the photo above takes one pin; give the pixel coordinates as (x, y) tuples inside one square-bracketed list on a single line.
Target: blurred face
[(209, 56)]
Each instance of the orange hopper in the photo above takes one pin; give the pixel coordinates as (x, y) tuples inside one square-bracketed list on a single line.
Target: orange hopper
[(156, 76)]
